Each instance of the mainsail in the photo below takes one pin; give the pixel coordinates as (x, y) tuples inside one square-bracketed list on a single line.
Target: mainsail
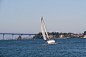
[(43, 28)]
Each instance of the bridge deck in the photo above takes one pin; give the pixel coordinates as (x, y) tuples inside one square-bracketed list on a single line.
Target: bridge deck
[(16, 34)]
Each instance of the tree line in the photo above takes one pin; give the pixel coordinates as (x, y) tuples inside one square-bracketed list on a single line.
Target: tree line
[(57, 34)]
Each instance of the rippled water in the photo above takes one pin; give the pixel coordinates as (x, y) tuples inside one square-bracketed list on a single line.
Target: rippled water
[(38, 48)]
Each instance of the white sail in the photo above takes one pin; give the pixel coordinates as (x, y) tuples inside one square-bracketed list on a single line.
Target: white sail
[(43, 33), (43, 28)]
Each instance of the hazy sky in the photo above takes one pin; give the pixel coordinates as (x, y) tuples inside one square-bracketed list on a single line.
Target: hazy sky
[(24, 16)]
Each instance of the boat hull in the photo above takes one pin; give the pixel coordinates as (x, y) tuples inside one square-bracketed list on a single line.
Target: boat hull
[(51, 41)]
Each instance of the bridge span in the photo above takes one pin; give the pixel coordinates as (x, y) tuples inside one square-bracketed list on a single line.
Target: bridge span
[(15, 34)]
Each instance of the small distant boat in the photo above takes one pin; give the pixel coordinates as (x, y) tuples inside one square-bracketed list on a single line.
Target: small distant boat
[(43, 29), (19, 37)]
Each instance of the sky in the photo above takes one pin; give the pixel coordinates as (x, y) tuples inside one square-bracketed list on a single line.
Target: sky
[(24, 16)]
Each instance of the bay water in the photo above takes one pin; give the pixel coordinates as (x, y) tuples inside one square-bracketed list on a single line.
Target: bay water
[(74, 47)]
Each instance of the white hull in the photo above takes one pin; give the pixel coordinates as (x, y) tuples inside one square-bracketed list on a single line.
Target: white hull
[(51, 41)]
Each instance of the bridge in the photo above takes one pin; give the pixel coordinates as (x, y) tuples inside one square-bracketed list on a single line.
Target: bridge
[(15, 34)]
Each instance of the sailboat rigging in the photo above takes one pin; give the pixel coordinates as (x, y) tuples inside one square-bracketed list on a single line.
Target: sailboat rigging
[(44, 30)]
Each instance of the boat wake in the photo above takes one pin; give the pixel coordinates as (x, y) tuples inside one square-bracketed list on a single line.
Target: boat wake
[(49, 44)]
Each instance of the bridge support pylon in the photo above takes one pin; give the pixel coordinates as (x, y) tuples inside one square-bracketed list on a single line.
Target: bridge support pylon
[(12, 36), (3, 37), (29, 36)]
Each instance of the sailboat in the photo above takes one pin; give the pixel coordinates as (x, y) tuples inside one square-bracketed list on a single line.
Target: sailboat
[(44, 30)]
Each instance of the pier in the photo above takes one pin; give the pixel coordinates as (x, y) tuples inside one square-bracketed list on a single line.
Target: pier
[(15, 34)]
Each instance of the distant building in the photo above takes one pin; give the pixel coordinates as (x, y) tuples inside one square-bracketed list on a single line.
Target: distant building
[(50, 36), (84, 36), (77, 36), (61, 36)]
